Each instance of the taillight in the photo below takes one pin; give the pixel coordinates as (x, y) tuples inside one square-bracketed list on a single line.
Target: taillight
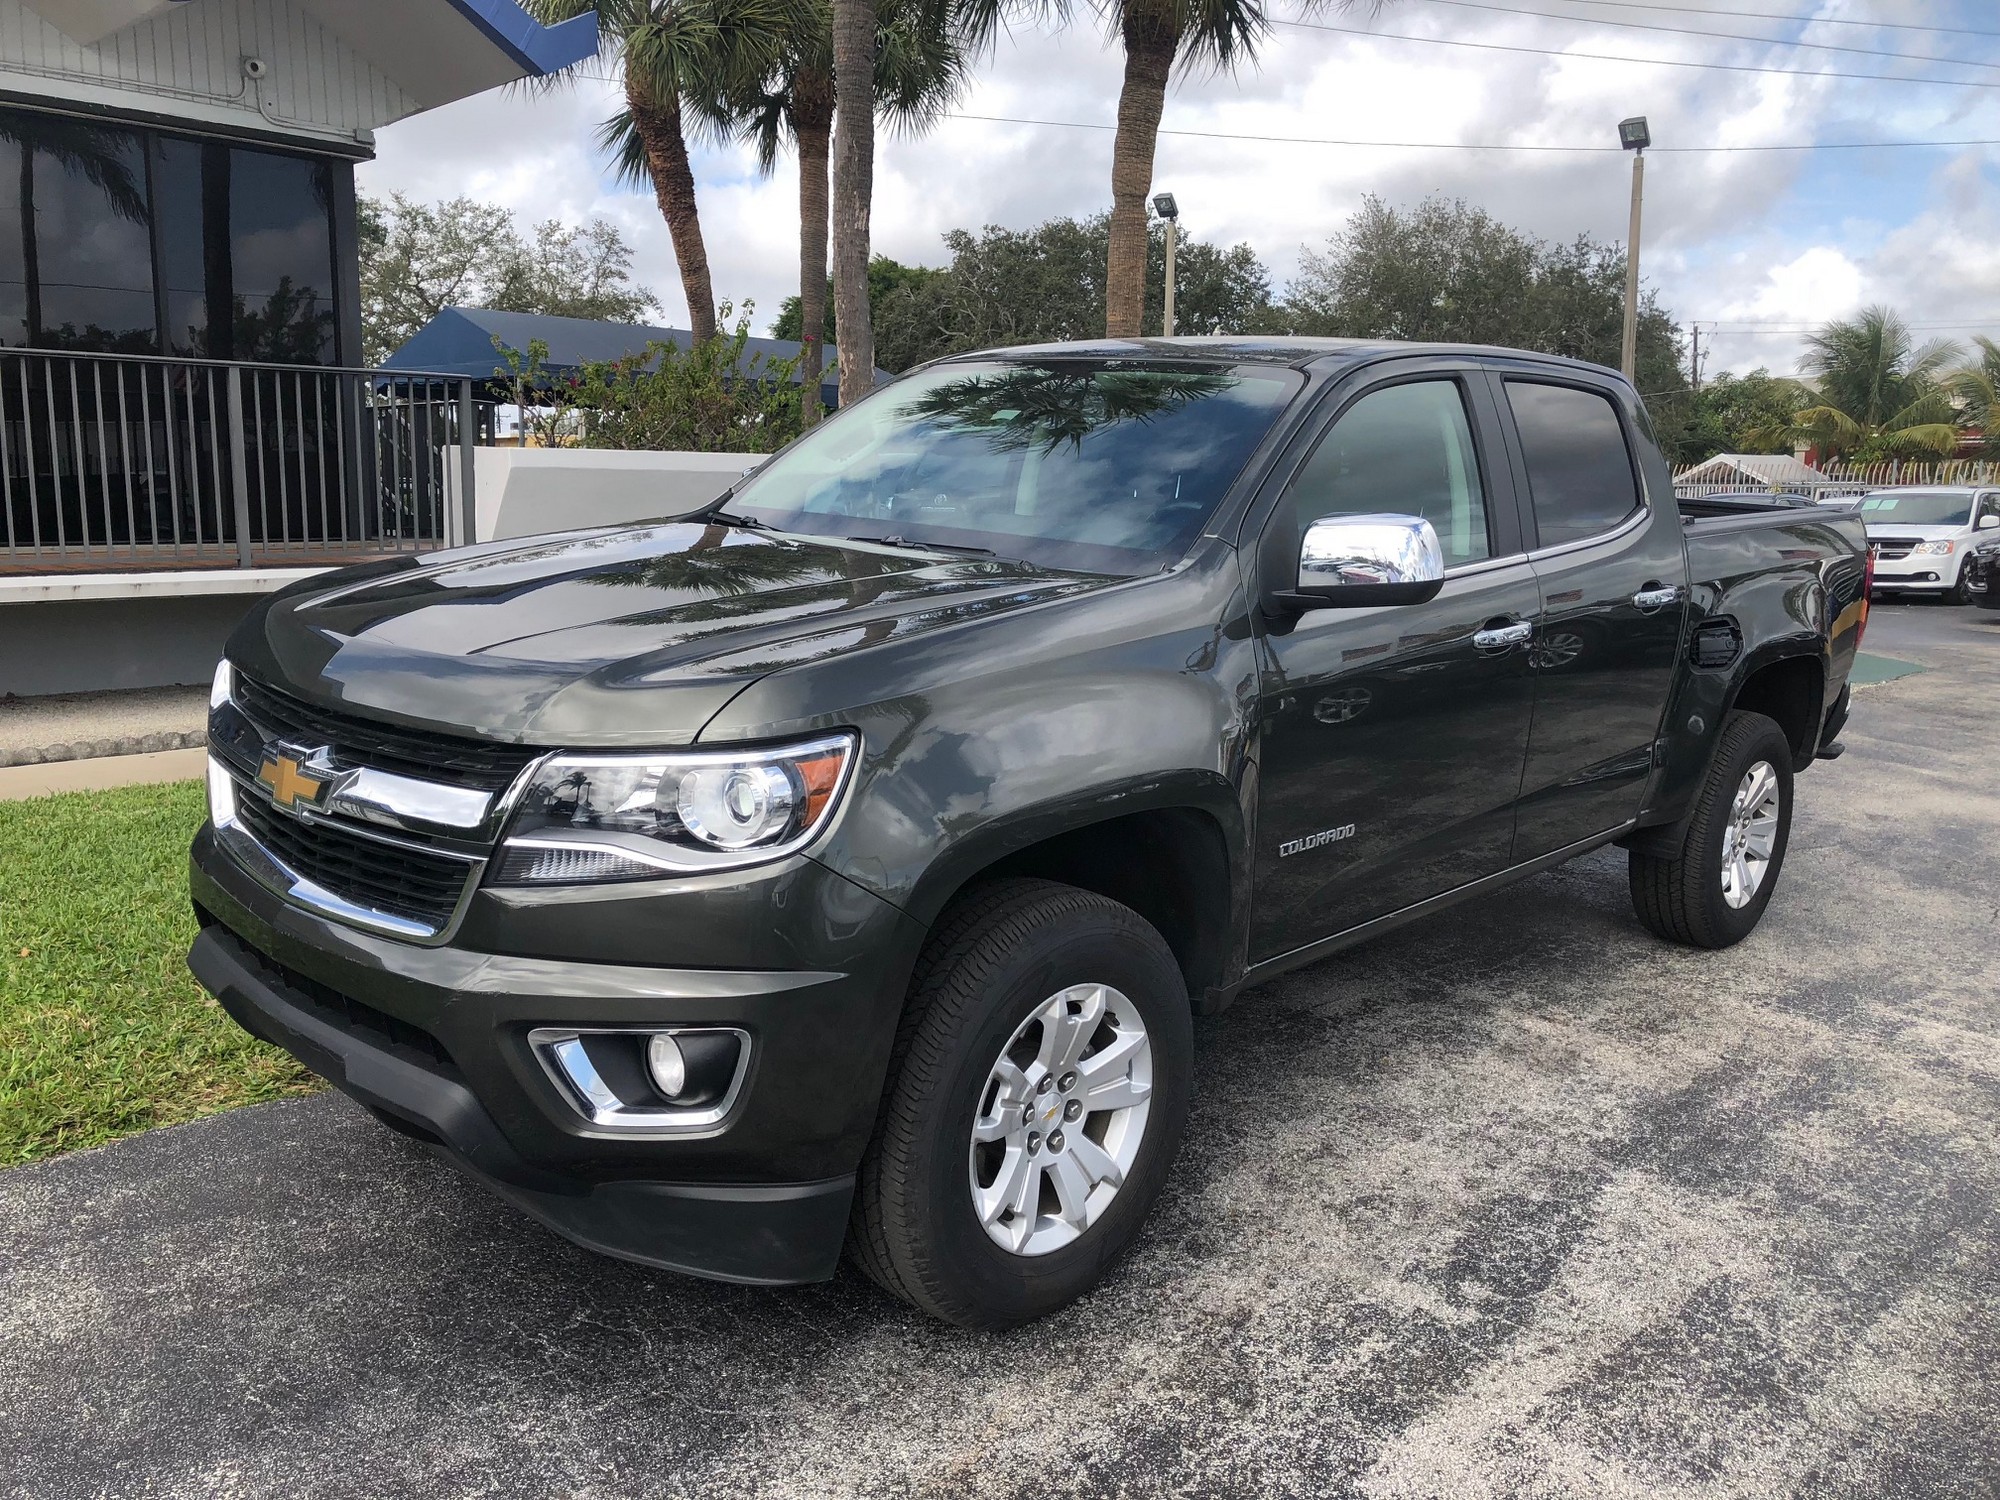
[(1867, 593)]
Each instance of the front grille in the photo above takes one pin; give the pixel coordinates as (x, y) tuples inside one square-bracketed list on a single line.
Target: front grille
[(364, 742), (1893, 548), (394, 879), (377, 1028)]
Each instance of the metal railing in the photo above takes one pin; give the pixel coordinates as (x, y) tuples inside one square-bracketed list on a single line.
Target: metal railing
[(138, 461), (1837, 476)]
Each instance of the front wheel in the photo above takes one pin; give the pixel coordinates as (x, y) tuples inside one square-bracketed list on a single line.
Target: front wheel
[(1038, 1097), (1713, 892), (1959, 592)]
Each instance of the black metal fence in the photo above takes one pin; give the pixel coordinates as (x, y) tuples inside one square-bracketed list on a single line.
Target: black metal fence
[(136, 461)]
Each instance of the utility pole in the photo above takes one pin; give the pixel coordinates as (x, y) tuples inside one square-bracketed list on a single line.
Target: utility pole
[(1635, 137), (1166, 208), (1694, 363)]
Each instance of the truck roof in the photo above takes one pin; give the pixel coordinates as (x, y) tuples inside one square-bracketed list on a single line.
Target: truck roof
[(1291, 350)]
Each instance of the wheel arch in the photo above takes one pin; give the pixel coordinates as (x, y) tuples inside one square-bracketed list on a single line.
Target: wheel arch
[(1169, 860), (1789, 687)]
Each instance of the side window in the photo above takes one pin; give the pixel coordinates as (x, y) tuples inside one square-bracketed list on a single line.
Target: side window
[(1989, 505), (1405, 449), (1579, 469)]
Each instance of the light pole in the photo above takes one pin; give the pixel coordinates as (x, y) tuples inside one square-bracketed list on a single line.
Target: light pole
[(1634, 137), (1166, 208)]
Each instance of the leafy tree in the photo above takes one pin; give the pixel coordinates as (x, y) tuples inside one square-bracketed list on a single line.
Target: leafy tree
[(885, 277), (1880, 394), (1751, 413), (418, 259), (1159, 36), (1977, 387), (1450, 272), (667, 51), (712, 397), (1047, 284)]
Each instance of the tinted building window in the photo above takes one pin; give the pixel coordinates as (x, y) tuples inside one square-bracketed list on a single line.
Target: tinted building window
[(1407, 451), (76, 259), (126, 240), (1579, 469), (281, 253)]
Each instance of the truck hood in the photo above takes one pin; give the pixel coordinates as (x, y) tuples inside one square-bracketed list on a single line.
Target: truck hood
[(630, 637)]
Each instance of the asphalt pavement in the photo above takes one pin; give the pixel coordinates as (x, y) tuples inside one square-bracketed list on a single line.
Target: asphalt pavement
[(1515, 1202)]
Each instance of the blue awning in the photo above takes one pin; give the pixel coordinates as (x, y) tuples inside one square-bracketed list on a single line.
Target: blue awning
[(467, 341)]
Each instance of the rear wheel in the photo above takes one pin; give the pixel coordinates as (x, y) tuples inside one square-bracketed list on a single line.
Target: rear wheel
[(1713, 892), (1036, 1103)]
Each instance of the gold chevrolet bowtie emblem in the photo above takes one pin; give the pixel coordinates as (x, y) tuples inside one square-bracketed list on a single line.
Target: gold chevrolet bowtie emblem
[(285, 774)]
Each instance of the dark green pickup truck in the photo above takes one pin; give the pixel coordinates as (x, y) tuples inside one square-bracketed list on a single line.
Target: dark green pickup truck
[(842, 867)]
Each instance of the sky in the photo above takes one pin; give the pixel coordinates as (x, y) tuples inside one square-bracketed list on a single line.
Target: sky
[(1755, 246)]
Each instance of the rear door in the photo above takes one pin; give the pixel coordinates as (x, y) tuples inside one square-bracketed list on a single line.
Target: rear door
[(1392, 740), (1612, 572)]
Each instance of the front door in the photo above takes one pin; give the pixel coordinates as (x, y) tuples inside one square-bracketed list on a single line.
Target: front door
[(1612, 576), (1392, 737)]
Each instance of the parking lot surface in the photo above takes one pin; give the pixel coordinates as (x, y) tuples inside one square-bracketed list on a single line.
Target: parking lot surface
[(1517, 1202)]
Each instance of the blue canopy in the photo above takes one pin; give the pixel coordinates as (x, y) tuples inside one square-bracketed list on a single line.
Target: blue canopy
[(460, 341)]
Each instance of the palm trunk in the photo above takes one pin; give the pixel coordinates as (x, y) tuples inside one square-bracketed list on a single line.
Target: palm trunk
[(853, 191), (812, 122), (1151, 40), (659, 125)]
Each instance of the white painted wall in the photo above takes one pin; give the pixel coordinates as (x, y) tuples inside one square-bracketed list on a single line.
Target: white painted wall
[(187, 62), (527, 491)]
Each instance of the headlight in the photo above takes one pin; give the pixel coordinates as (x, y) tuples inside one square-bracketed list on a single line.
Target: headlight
[(224, 685), (1932, 549), (607, 817)]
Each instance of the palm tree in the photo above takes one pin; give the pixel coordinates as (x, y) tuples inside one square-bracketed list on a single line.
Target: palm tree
[(919, 68), (967, 27), (1158, 36), (1877, 394), (667, 50), (853, 192), (1977, 387)]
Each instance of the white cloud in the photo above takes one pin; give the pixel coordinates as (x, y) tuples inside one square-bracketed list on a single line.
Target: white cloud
[(1765, 236)]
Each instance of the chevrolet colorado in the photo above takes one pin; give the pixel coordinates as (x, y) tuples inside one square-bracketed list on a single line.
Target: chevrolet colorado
[(843, 867)]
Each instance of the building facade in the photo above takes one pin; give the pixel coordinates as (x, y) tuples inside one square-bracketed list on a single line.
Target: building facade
[(180, 327)]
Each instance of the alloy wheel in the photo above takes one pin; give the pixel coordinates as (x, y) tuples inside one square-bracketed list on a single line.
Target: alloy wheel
[(1751, 835), (1060, 1119)]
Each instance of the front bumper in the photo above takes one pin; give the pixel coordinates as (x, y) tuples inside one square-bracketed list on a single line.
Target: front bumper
[(1927, 575), (434, 1041)]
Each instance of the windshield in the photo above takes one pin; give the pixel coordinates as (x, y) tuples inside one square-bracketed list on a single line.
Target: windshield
[(1096, 465), (1918, 508)]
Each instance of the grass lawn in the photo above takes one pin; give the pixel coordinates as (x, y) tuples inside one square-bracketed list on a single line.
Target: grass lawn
[(102, 1030)]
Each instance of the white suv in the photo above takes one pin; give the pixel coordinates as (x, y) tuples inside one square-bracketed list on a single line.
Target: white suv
[(1921, 538)]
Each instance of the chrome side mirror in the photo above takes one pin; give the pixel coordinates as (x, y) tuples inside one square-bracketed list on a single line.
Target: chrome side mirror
[(1351, 562)]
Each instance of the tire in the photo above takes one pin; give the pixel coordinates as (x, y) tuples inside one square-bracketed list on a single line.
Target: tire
[(1958, 593), (1684, 898), (999, 958)]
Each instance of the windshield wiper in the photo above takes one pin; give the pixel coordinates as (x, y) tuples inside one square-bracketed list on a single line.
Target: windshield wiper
[(748, 523), (913, 546)]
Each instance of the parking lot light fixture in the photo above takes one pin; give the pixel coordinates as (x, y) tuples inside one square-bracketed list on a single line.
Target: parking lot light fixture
[(1166, 208), (1635, 136)]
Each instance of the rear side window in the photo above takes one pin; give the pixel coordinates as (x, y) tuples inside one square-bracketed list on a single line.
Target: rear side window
[(1406, 449), (1579, 469)]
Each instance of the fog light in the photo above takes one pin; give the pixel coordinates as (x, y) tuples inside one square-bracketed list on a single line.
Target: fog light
[(667, 1065)]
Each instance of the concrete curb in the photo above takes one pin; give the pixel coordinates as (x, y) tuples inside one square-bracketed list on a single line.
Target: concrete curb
[(134, 744), (101, 774)]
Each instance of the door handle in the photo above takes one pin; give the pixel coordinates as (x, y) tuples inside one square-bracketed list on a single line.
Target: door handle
[(1652, 599), (1500, 637)]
